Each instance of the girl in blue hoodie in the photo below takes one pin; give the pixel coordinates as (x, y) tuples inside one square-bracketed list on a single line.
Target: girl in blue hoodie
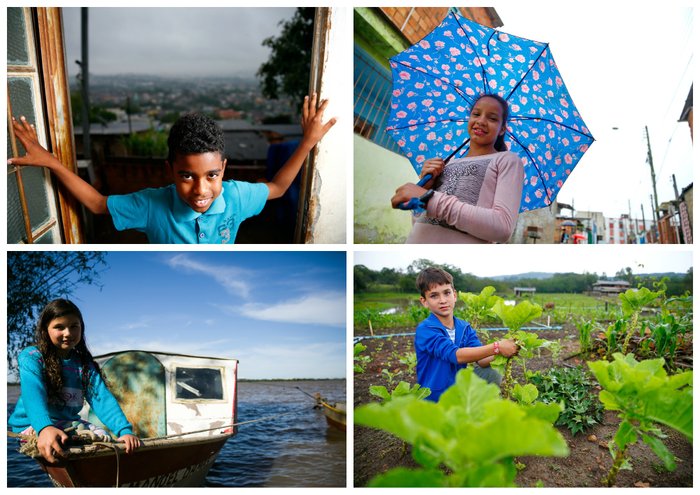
[(56, 376)]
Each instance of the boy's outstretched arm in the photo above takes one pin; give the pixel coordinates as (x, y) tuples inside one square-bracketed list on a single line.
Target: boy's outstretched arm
[(38, 156), (314, 129)]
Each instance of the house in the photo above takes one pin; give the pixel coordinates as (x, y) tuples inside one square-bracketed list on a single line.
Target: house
[(524, 291), (610, 287)]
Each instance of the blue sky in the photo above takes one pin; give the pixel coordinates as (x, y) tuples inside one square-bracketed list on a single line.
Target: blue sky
[(282, 314)]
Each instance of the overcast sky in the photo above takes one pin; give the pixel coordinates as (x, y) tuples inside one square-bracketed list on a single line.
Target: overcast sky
[(494, 260), (174, 41), (626, 65)]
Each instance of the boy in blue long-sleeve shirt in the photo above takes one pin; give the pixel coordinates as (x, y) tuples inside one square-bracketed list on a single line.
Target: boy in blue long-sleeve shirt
[(445, 344)]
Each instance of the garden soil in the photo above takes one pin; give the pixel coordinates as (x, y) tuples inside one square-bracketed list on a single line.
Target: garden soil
[(589, 459)]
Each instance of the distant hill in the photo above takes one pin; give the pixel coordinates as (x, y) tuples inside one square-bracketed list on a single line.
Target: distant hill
[(545, 275), (535, 275)]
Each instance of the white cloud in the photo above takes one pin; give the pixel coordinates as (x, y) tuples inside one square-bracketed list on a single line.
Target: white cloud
[(326, 309), (231, 278)]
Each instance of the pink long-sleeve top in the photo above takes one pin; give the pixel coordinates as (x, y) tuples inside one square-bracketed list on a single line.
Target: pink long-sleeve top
[(477, 200)]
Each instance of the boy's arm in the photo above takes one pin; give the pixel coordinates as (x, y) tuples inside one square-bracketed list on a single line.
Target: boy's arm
[(471, 354), (36, 155), (507, 348), (314, 129)]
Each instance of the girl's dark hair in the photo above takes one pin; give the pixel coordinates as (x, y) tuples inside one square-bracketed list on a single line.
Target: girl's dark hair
[(53, 376), (195, 133), (500, 143)]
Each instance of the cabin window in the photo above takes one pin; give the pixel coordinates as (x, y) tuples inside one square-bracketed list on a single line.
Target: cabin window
[(198, 384)]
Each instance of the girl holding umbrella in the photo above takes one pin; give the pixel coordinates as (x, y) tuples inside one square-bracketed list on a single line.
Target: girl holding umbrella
[(476, 198)]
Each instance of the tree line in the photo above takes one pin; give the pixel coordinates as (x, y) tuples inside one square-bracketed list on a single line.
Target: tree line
[(404, 280)]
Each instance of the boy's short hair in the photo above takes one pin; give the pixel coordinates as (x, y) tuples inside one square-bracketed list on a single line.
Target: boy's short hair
[(195, 133), (432, 276)]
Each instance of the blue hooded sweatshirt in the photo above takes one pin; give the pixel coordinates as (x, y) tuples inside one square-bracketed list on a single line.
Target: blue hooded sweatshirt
[(437, 354)]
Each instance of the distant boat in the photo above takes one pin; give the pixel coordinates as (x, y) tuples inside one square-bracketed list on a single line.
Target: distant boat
[(335, 414), (184, 409)]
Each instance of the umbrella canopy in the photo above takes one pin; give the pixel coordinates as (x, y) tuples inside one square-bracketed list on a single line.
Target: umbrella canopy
[(437, 80)]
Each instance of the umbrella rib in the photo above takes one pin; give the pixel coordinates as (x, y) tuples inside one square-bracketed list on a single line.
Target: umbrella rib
[(520, 117), (476, 50), (534, 164), (546, 45)]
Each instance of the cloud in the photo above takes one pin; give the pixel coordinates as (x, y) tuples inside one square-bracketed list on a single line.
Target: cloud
[(326, 309), (205, 347), (231, 278)]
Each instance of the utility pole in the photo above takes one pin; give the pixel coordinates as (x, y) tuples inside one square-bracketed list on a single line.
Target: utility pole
[(650, 159), (85, 91), (677, 209), (654, 223), (632, 236), (644, 222)]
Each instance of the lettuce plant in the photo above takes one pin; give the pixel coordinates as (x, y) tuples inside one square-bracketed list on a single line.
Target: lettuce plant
[(515, 317), (469, 438), (402, 389), (360, 360), (645, 397), (479, 307), (633, 301)]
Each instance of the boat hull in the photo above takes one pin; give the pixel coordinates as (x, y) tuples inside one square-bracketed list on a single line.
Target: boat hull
[(159, 463), (335, 415)]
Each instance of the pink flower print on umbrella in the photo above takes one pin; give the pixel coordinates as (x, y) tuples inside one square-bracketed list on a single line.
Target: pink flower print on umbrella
[(462, 60)]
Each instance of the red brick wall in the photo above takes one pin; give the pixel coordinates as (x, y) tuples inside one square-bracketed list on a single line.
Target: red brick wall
[(419, 21)]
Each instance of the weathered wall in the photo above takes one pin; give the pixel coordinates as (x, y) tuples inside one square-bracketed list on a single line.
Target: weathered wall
[(328, 202), (378, 172)]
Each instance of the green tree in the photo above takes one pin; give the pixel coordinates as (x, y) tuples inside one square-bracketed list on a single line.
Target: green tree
[(36, 277), (362, 278), (98, 115), (287, 70)]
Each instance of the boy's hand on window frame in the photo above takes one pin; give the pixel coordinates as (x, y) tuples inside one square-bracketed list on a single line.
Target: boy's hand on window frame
[(36, 154), (312, 120)]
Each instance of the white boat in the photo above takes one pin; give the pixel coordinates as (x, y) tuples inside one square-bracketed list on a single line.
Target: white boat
[(184, 409)]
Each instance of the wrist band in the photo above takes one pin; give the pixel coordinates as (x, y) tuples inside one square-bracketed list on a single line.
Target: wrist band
[(496, 348)]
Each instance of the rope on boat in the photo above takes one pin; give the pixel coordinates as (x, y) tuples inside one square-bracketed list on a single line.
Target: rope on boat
[(267, 418), (29, 446), (30, 449)]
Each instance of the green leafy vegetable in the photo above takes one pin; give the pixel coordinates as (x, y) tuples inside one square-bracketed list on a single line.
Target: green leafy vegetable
[(471, 431), (645, 396)]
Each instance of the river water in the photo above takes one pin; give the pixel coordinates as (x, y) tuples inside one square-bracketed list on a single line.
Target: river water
[(297, 449)]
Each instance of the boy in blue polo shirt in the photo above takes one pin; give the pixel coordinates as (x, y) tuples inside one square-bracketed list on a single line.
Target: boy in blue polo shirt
[(445, 344), (199, 207)]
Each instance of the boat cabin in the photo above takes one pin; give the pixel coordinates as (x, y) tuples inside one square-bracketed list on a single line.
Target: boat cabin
[(166, 394)]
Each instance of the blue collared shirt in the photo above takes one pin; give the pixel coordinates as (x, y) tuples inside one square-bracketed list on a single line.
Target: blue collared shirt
[(166, 219)]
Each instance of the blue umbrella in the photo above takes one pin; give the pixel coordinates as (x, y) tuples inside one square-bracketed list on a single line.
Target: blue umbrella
[(437, 80)]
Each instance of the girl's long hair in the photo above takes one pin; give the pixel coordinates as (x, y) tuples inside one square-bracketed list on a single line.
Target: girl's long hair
[(500, 143), (53, 376)]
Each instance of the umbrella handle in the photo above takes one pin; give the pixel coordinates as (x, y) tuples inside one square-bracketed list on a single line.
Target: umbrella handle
[(424, 180), (415, 203)]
